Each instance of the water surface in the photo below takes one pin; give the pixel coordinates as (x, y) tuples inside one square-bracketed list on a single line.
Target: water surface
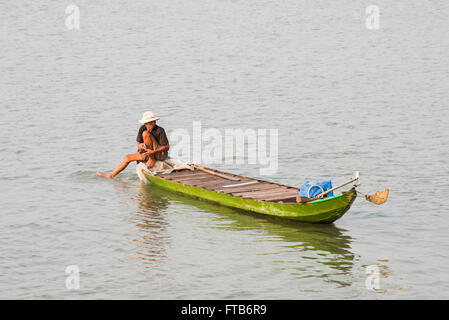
[(343, 98)]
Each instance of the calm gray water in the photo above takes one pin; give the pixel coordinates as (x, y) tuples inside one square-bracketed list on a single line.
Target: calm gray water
[(343, 98)]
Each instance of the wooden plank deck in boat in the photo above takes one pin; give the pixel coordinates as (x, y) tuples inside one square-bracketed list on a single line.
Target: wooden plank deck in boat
[(244, 187)]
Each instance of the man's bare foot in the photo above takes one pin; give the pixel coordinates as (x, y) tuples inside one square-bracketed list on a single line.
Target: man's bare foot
[(106, 175)]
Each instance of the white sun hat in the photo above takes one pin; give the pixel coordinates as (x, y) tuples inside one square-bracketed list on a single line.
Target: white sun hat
[(148, 117)]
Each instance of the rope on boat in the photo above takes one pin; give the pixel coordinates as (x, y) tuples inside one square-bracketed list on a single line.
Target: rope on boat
[(359, 192)]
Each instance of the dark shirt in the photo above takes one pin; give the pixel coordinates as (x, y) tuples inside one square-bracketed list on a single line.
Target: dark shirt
[(157, 132)]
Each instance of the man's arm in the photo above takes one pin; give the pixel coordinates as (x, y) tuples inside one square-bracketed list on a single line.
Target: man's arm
[(139, 138), (163, 141)]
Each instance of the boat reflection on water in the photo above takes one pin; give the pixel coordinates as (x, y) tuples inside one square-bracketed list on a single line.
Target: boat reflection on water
[(299, 250), (325, 244)]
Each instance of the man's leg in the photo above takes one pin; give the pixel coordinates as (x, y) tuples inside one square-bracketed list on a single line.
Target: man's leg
[(128, 158), (151, 144)]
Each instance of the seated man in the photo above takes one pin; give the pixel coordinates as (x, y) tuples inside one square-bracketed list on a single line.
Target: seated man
[(152, 145)]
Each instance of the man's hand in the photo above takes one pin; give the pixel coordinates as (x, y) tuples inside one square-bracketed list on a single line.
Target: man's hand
[(141, 146), (150, 152)]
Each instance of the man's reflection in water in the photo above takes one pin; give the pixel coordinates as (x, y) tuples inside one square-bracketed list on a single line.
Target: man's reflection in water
[(150, 239)]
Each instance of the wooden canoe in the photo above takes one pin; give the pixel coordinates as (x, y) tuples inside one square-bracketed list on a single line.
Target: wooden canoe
[(253, 195)]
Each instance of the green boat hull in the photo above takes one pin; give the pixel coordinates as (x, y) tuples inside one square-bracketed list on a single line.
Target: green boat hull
[(327, 210), (321, 211)]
